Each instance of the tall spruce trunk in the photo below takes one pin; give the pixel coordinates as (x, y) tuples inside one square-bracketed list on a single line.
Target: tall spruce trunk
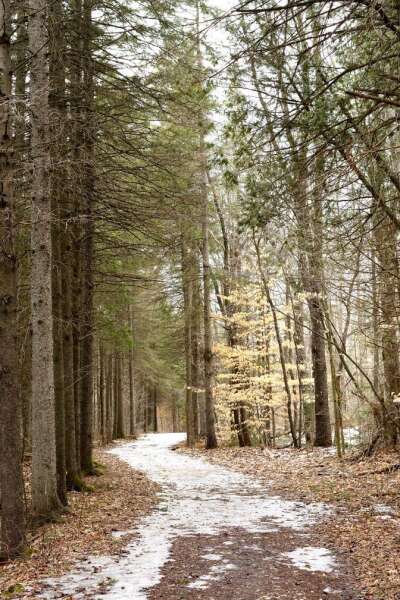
[(22, 233), (44, 473), (131, 367), (12, 535), (57, 117), (120, 421), (323, 432), (387, 277), (76, 178), (195, 343), (72, 467), (278, 336), (311, 271), (187, 284), (211, 436), (87, 327), (102, 395), (109, 399)]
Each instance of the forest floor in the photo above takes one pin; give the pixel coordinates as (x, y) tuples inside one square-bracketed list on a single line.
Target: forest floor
[(216, 533), (119, 497), (168, 523), (364, 526)]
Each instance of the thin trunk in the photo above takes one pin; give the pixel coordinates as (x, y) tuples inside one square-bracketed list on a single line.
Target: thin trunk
[(132, 399), (68, 356), (75, 178), (119, 432), (102, 396), (115, 397), (145, 407), (187, 284), (57, 177), (211, 441), (195, 345), (87, 327), (280, 344), (155, 418), (132, 404), (109, 400)]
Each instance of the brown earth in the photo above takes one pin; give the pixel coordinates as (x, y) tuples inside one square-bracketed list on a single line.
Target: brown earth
[(248, 566)]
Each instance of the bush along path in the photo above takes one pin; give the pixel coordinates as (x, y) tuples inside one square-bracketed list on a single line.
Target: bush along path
[(216, 534)]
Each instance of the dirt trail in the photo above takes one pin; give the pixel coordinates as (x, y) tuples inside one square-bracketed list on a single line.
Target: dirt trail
[(216, 534)]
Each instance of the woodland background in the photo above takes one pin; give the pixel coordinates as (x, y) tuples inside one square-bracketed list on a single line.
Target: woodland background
[(199, 222)]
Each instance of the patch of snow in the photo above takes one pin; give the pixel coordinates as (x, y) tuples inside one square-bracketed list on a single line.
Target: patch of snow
[(252, 547), (120, 534), (351, 435), (331, 591), (201, 583), (211, 556), (197, 498), (311, 558), (383, 509), (215, 574)]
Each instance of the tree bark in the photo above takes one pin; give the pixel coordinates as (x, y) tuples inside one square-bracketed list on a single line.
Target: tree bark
[(109, 400), (44, 474), (12, 538), (280, 344), (57, 150), (87, 327), (187, 284), (211, 438)]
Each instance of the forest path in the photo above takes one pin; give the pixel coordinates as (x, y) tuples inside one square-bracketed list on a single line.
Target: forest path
[(215, 534)]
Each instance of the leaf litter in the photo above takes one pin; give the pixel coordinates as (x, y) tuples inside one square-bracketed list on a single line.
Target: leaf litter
[(365, 523), (119, 498)]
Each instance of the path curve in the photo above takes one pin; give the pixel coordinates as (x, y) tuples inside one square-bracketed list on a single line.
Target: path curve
[(215, 534)]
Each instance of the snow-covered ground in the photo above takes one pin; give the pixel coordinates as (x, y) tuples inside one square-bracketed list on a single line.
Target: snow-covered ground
[(196, 498)]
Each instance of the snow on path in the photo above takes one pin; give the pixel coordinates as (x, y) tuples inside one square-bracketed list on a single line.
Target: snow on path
[(196, 498)]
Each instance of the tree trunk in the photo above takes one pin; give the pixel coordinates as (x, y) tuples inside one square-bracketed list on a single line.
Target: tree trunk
[(102, 396), (12, 538), (22, 234), (87, 156), (323, 434), (109, 400), (211, 436), (68, 356), (132, 403), (195, 345), (131, 367), (385, 247), (187, 284), (155, 418), (76, 178), (211, 441), (44, 474), (311, 271), (57, 177), (119, 432), (279, 342)]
